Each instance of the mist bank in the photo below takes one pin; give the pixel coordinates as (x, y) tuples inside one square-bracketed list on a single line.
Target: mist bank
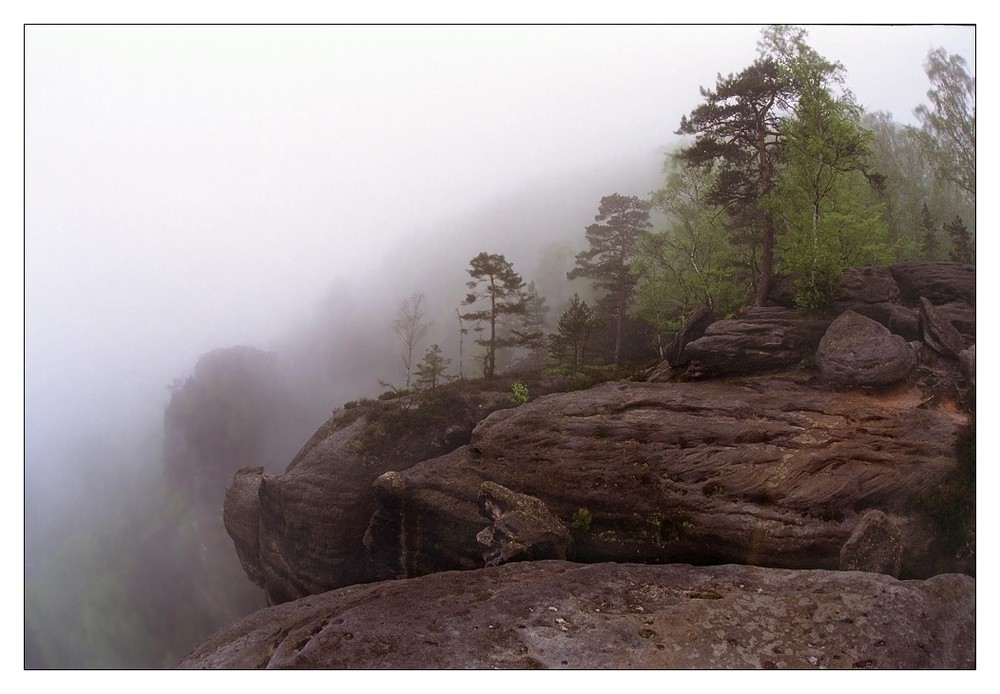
[(100, 514)]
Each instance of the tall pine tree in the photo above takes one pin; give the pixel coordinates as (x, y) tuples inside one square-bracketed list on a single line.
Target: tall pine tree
[(608, 262)]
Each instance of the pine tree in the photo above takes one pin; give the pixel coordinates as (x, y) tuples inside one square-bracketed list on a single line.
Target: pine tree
[(929, 243), (495, 282), (961, 242), (568, 347), (432, 367), (608, 261)]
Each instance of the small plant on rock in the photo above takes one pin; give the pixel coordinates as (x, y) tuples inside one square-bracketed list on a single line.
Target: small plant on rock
[(581, 520), (520, 392)]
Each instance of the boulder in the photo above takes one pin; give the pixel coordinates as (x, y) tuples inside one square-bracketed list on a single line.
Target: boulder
[(554, 614), (761, 339), (772, 471), (522, 529), (858, 351), (875, 545), (938, 332)]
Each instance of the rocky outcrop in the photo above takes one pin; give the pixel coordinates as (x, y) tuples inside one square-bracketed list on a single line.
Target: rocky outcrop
[(938, 282), (554, 614), (773, 472), (522, 528), (875, 545), (695, 326), (301, 532), (761, 339), (858, 351)]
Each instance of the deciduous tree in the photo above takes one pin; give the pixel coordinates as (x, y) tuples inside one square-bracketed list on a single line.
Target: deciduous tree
[(411, 326), (949, 123)]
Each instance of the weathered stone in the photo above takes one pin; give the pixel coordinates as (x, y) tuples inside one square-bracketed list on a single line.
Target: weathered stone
[(897, 319), (523, 528), (938, 332), (967, 362), (241, 516), (870, 284), (875, 545), (858, 351), (303, 532), (762, 339), (963, 317), (694, 327), (553, 614), (940, 282), (765, 471)]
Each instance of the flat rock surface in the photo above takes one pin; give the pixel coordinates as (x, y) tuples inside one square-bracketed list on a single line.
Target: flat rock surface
[(555, 614)]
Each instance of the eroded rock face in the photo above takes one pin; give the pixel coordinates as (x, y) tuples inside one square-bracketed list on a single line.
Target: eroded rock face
[(875, 545), (301, 532), (938, 332), (858, 351), (522, 528), (773, 472), (938, 282), (554, 614), (762, 339)]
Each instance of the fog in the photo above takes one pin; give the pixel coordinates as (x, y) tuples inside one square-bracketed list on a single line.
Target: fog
[(195, 187)]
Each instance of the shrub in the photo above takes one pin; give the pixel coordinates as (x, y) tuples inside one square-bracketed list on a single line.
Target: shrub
[(581, 520), (520, 391)]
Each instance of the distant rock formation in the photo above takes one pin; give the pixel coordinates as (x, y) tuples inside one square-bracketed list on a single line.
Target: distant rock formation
[(554, 614)]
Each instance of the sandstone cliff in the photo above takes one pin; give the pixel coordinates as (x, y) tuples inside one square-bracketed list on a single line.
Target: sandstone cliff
[(773, 439)]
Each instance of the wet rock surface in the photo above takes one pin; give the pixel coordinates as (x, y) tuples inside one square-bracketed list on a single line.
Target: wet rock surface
[(554, 614)]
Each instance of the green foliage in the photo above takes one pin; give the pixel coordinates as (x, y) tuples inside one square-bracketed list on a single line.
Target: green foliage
[(962, 247), (520, 392), (404, 430), (670, 524), (431, 369), (568, 346), (949, 123), (736, 134), (821, 196), (691, 262), (581, 520), (608, 262), (929, 243)]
